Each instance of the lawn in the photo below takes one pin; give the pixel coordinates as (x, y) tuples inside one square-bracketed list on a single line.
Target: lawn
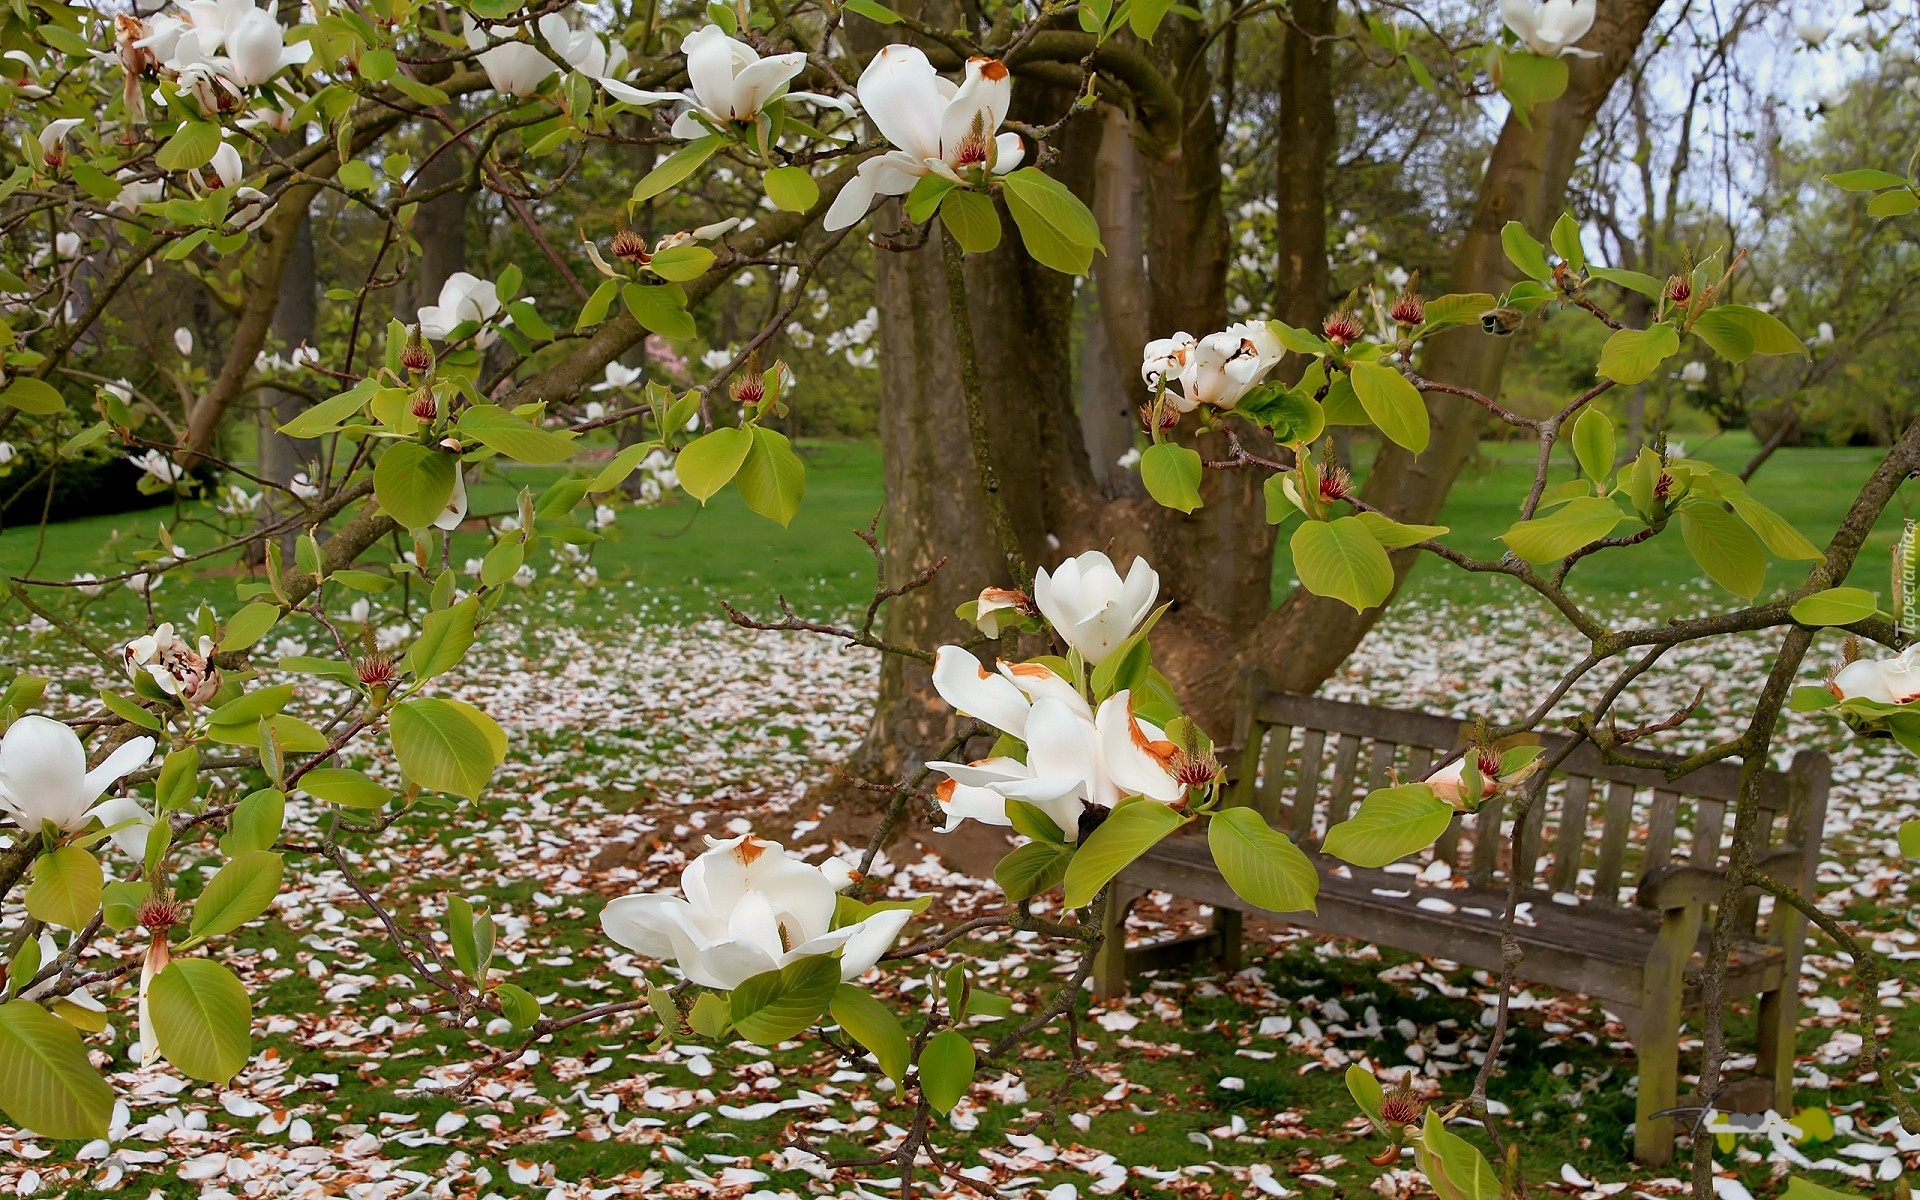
[(637, 723)]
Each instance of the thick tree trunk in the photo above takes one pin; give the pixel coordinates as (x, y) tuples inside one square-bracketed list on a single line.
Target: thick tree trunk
[(294, 317), (1113, 313), (1307, 638), (1309, 132)]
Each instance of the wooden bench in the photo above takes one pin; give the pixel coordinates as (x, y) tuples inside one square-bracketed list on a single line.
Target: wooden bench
[(1621, 867)]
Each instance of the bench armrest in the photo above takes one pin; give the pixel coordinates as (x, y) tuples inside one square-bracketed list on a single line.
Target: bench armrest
[(1681, 885)]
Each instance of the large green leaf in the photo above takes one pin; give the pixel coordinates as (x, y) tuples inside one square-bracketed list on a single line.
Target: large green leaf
[(35, 396), (1393, 404), (1571, 526), (776, 1005), (1737, 332), (47, 1083), (660, 308), (1364, 1086), (241, 891), (709, 462), (447, 745), (772, 479), (1342, 559), (946, 1069), (1264, 868), (1392, 534), (1392, 823), (344, 786), (1056, 227), (1527, 80), (1725, 549), (1593, 444), (445, 637), (191, 147), (66, 888), (255, 823), (1865, 179), (414, 483), (1171, 473), (1125, 835), (1523, 249), (972, 220), (791, 188), (1031, 869), (249, 625), (1779, 536), (874, 1026), (202, 1019), (328, 415), (1836, 606), (1631, 355), (515, 437), (676, 167), (1454, 1168)]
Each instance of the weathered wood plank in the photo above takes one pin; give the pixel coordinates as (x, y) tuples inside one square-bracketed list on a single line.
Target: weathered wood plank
[(1273, 781), (1613, 844), (1346, 753), (1532, 828), (1380, 764), (1486, 841), (1709, 821), (1306, 785), (1570, 841), (1660, 821)]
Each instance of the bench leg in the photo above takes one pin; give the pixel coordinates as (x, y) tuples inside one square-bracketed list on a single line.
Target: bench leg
[(1110, 968), (1229, 928), (1779, 1013), (1656, 1035)]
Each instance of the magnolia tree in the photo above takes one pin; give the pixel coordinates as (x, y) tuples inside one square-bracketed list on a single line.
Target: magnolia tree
[(194, 141)]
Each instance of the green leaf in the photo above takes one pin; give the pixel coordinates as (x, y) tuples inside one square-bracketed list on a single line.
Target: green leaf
[(1836, 606), (710, 461), (1529, 80), (255, 823), (660, 308), (1737, 332), (1292, 416), (924, 200), (1893, 204), (1865, 180), (598, 305), (1593, 444), (35, 396), (681, 263), (1631, 355), (66, 888), (1566, 242), (202, 1019), (518, 1005), (179, 779), (1032, 869), (675, 168), (242, 890), (1452, 1166), (445, 638), (328, 415), (1057, 229), (1525, 251), (777, 1005), (1171, 473), (1807, 698), (1392, 403), (191, 147), (1633, 281), (447, 745), (1127, 833), (120, 903), (249, 625), (1391, 824), (870, 1023), (1364, 1086), (1455, 308), (345, 787), (1725, 549), (1030, 820), (520, 440), (1780, 537), (972, 220), (1573, 525), (1263, 868), (1392, 534), (1342, 559), (946, 1069), (47, 1083), (791, 188), (772, 479), (1805, 1189), (414, 483), (356, 175), (872, 10)]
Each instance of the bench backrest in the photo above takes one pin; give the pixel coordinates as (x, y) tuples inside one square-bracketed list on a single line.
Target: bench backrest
[(1307, 762)]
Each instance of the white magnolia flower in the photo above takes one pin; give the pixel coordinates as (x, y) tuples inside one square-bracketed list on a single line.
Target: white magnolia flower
[(463, 297), (176, 664), (515, 68), (1893, 680), (934, 125), (66, 244), (619, 375), (1823, 334), (1812, 32), (135, 192), (87, 585), (44, 776), (158, 465), (1090, 606), (227, 167), (1449, 784), (729, 84), (1551, 27), (998, 606), (749, 907), (582, 48), (1217, 369), (1075, 757), (303, 487), (53, 140), (525, 576), (7, 453), (456, 509), (257, 49), (183, 340), (1129, 460)]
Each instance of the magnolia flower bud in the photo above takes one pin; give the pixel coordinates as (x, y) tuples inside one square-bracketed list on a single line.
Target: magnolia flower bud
[(1501, 321), (1402, 1106), (423, 406), (1408, 309), (416, 356), (629, 246), (749, 386), (1679, 289), (1336, 484), (376, 670), (1343, 329)]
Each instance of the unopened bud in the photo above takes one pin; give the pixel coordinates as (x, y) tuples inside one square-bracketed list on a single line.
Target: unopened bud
[(1663, 486), (629, 246), (1501, 321), (1169, 417), (1343, 329)]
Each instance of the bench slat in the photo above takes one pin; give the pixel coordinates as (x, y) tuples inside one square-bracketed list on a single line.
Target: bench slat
[(1306, 786), (1571, 838), (1709, 819), (1534, 825), (1345, 755), (1446, 848), (1486, 841), (1660, 821), (1613, 844), (1273, 785), (1380, 768)]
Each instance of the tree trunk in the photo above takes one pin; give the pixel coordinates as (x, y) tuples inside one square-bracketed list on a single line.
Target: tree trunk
[(1308, 132), (294, 317), (1113, 313), (1307, 638)]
